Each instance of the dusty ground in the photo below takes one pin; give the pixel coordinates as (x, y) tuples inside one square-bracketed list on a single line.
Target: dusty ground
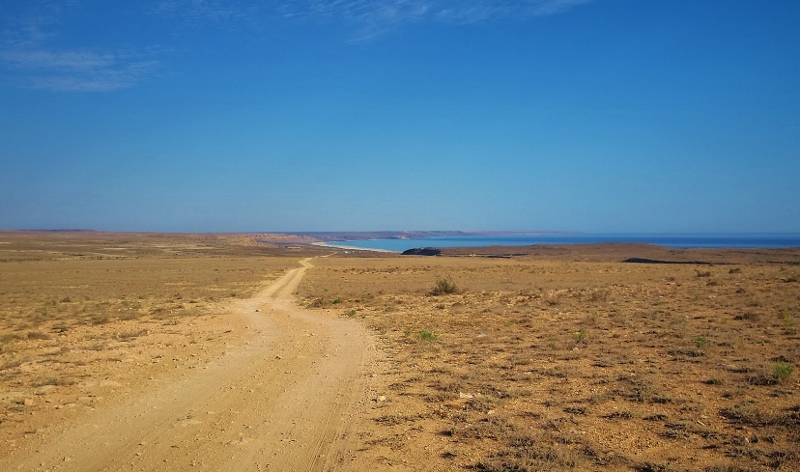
[(555, 364), (201, 363), (146, 352)]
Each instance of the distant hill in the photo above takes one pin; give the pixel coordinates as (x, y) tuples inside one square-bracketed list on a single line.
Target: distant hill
[(324, 236)]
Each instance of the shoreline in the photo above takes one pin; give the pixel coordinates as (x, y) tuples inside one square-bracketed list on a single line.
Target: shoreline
[(351, 248), (754, 241)]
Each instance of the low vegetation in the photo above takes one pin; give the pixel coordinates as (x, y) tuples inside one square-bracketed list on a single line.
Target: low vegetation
[(81, 318), (444, 286), (558, 365), (537, 362)]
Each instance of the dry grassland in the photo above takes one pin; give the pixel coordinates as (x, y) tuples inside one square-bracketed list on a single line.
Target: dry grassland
[(534, 364), (84, 317), (553, 361)]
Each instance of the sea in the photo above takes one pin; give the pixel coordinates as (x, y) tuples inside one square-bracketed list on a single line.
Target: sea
[(748, 240)]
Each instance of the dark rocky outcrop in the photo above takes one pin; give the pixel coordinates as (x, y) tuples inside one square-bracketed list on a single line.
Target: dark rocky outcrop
[(640, 260), (422, 251)]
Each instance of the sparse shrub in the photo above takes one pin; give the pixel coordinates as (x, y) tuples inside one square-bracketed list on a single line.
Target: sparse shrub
[(706, 273), (425, 335), (318, 302), (61, 327), (599, 295), (655, 467), (131, 315), (656, 417), (748, 316), (782, 370), (789, 327), (714, 381), (450, 453), (129, 335), (747, 413), (580, 336), (58, 381), (624, 414), (528, 454), (444, 286), (700, 342), (38, 335)]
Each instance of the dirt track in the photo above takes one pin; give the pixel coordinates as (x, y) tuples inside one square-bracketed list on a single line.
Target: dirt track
[(281, 398)]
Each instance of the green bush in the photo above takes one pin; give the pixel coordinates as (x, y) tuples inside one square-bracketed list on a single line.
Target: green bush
[(782, 370), (426, 335), (700, 342)]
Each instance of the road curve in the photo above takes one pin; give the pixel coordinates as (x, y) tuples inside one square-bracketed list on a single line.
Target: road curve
[(279, 399)]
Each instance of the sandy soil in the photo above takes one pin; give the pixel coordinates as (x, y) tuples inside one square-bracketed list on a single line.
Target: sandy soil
[(282, 396), (533, 364), (189, 352)]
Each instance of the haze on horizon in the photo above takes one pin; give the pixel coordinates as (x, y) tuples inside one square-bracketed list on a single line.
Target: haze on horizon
[(599, 116)]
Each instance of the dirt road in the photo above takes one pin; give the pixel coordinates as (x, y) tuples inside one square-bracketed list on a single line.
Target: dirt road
[(280, 398)]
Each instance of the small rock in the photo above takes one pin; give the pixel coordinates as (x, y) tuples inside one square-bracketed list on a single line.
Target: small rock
[(28, 402), (381, 399)]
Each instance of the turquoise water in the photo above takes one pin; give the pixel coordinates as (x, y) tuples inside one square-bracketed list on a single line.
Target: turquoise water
[(766, 240)]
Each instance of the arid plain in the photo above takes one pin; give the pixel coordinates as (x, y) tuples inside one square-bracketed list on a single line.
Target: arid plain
[(499, 359)]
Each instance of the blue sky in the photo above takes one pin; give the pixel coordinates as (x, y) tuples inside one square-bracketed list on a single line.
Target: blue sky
[(327, 115)]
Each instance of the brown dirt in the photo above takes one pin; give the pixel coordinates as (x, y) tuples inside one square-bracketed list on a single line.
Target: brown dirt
[(552, 364), (250, 384), (146, 352)]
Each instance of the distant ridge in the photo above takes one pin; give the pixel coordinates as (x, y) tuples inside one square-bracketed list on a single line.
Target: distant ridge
[(57, 230), (324, 236)]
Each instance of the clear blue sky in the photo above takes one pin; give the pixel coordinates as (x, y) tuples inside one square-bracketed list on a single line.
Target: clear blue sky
[(313, 115)]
